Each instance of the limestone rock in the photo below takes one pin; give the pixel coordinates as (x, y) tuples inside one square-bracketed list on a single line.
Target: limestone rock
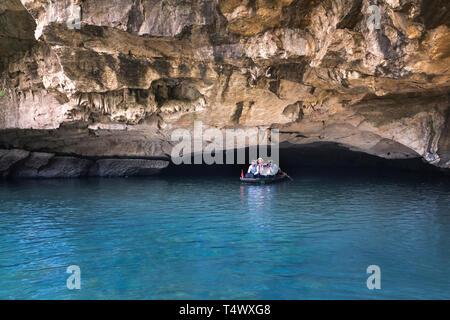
[(116, 80), (31, 166), (65, 167), (127, 167), (10, 157)]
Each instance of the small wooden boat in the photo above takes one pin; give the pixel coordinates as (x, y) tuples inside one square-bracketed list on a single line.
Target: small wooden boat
[(277, 178)]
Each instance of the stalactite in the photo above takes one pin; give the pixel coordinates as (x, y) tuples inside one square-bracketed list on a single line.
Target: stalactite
[(125, 96)]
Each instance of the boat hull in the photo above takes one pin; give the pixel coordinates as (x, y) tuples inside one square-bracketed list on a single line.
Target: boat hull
[(275, 179)]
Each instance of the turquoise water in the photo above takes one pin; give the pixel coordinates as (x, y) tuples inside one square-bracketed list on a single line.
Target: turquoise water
[(212, 238)]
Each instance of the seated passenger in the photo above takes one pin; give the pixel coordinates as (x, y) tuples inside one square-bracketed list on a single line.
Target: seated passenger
[(260, 162), (270, 168), (275, 169), (266, 171), (260, 166), (252, 170)]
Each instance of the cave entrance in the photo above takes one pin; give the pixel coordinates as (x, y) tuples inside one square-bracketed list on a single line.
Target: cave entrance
[(315, 157)]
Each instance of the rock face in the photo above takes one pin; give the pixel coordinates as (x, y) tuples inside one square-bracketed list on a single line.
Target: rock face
[(127, 167), (18, 163), (8, 158), (117, 81), (16, 31)]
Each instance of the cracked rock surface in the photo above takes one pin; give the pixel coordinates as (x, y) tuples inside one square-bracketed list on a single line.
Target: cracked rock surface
[(136, 70)]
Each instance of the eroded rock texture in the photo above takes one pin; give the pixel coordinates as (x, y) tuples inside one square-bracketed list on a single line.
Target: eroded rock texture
[(137, 69), (24, 164)]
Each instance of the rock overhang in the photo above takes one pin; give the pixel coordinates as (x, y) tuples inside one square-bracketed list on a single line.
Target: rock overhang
[(322, 74)]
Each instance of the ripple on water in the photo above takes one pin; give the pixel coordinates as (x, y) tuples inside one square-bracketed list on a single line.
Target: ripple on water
[(216, 239)]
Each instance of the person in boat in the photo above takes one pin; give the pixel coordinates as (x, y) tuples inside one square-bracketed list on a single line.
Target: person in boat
[(266, 171), (253, 170), (270, 171), (260, 167), (275, 169), (260, 164)]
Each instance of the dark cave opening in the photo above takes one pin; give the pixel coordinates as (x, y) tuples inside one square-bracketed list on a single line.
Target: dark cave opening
[(313, 158), (296, 160)]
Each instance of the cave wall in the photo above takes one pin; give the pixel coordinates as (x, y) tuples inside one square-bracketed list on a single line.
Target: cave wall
[(137, 69), (16, 31)]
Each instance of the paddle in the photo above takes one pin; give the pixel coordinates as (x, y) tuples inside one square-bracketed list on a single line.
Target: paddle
[(287, 175)]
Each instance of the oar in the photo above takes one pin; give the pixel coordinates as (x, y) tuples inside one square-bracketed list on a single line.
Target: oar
[(287, 176)]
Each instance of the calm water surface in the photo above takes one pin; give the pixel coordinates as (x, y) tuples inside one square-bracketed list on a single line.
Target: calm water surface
[(212, 238)]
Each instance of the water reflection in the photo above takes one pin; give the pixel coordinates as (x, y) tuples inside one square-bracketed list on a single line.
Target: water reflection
[(258, 197)]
